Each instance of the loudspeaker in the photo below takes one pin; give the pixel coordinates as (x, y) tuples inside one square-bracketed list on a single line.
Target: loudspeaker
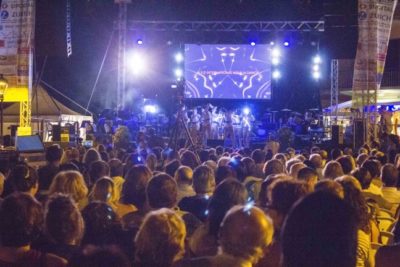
[(337, 135), (358, 133), (56, 133), (215, 142)]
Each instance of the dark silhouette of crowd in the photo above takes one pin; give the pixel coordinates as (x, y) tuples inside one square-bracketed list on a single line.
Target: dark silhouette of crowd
[(210, 207)]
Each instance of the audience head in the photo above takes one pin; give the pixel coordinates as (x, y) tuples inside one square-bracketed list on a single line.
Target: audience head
[(161, 239), (317, 161), (295, 168), (70, 183), (348, 164), (258, 156), (273, 166), (354, 197), (23, 178), (330, 186), (21, 220), (97, 170), (336, 153), (308, 175), (203, 180), (90, 156), (228, 193), (190, 159), (224, 172), (361, 159), (389, 175), (291, 162), (363, 176), (184, 175), (103, 190), (63, 220), (373, 167), (134, 187), (258, 232), (162, 191), (249, 166), (100, 223), (282, 195), (315, 236), (171, 167), (54, 153), (332, 170), (116, 168)]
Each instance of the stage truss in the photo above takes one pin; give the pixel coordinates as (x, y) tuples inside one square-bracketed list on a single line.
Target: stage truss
[(227, 26), (122, 25)]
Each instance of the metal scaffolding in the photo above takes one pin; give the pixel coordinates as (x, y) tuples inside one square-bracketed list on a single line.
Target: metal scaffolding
[(334, 91), (121, 27), (227, 26)]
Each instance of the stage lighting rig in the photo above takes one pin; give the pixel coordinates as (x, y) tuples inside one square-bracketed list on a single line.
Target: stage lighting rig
[(316, 67), (179, 57)]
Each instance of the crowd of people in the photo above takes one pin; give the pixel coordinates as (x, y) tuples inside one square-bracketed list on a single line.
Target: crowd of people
[(212, 207)]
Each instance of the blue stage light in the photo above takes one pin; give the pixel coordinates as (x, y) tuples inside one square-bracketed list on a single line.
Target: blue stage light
[(286, 44), (246, 111), (139, 41), (253, 43)]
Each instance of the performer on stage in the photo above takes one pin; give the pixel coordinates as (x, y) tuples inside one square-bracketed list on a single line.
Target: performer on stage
[(229, 135), (247, 121), (386, 120), (206, 124), (195, 126), (237, 129)]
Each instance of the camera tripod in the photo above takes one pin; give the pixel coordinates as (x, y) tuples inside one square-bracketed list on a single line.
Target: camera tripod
[(176, 133)]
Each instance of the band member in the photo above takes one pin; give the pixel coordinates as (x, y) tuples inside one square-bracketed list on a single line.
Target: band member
[(237, 128), (229, 135), (206, 124), (195, 126), (217, 121), (386, 120), (247, 121)]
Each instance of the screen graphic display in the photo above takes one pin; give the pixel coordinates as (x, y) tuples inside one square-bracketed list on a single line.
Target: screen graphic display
[(228, 71)]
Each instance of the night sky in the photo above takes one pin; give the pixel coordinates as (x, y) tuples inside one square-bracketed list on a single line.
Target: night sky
[(92, 26)]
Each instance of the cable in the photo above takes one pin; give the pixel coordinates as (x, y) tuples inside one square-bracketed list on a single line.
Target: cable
[(101, 68)]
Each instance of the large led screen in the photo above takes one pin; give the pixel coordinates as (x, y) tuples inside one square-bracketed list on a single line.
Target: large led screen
[(228, 71)]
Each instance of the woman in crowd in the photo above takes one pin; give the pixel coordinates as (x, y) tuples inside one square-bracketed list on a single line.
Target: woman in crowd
[(72, 184), (161, 239), (22, 178), (20, 224)]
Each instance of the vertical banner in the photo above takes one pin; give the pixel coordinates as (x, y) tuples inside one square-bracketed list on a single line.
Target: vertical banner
[(17, 28), (375, 19)]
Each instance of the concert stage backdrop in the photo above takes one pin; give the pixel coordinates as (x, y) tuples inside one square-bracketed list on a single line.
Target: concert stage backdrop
[(228, 71)]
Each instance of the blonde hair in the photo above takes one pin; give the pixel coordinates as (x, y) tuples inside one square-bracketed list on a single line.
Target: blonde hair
[(249, 222), (71, 183), (184, 175), (100, 191), (160, 239)]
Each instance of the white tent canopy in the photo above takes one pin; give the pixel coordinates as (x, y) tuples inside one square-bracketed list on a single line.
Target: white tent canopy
[(45, 110)]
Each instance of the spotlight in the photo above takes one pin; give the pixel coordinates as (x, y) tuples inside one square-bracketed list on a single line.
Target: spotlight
[(316, 75), (317, 60), (316, 68), (246, 111), (272, 43), (174, 86), (178, 73), (276, 74), (150, 109), (179, 57), (139, 41), (276, 52), (275, 61), (253, 43), (286, 43), (137, 63)]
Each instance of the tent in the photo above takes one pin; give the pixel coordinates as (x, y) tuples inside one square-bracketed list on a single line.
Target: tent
[(46, 110)]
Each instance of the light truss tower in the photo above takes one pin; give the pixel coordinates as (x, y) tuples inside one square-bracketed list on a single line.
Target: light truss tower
[(121, 27), (334, 91)]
